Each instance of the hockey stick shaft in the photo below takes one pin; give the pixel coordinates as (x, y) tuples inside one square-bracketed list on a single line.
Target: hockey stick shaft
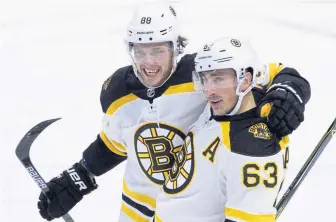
[(43, 186), (22, 152), (306, 168)]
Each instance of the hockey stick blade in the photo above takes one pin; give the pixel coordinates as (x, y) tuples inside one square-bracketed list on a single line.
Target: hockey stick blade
[(22, 152), (306, 168)]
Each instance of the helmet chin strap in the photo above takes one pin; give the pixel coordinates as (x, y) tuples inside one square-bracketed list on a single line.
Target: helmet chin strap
[(240, 95)]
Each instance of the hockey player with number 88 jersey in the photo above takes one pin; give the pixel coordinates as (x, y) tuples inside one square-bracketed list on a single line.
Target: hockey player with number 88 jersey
[(231, 167), (148, 108)]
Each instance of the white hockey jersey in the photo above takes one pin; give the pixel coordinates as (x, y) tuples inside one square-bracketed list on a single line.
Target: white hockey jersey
[(149, 132), (228, 170), (148, 127)]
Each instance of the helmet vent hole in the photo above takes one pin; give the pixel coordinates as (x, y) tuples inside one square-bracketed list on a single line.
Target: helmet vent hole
[(209, 66), (162, 15), (150, 39), (140, 39), (223, 50)]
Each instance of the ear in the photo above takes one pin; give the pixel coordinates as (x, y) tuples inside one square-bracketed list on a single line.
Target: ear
[(247, 81)]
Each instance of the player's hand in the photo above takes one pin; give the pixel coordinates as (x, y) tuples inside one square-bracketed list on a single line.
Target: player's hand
[(65, 191), (285, 110)]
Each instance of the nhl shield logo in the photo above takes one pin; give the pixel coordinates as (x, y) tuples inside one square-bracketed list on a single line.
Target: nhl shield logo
[(151, 92)]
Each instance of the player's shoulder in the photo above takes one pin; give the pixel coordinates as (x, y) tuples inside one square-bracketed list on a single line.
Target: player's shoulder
[(188, 58), (258, 94), (116, 86), (249, 135), (184, 68), (186, 63)]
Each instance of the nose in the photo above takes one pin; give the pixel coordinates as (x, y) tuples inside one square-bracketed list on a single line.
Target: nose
[(209, 85), (209, 91), (148, 60)]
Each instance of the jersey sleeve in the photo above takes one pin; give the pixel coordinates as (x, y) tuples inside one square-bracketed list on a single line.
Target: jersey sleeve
[(251, 185), (279, 75), (109, 149), (111, 135)]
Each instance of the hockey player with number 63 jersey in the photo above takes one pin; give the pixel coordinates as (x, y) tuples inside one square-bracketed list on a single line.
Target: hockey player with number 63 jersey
[(231, 167), (148, 108)]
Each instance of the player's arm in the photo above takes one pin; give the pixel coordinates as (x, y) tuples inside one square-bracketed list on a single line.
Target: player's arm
[(106, 152), (109, 149), (253, 178), (288, 93)]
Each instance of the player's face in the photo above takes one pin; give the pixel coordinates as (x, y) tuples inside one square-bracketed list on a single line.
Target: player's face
[(220, 90), (153, 62)]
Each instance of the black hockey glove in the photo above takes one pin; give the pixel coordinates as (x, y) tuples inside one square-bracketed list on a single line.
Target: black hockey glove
[(65, 192), (287, 109)]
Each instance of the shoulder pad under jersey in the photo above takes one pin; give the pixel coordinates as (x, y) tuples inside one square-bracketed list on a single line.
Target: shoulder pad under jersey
[(251, 137), (114, 87)]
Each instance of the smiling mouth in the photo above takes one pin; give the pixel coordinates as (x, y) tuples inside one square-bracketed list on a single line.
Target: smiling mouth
[(151, 73), (215, 101)]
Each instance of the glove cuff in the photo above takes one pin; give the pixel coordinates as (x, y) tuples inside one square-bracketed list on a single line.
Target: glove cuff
[(287, 88), (80, 179)]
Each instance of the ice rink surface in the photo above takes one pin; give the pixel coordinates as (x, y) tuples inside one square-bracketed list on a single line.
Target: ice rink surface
[(55, 55)]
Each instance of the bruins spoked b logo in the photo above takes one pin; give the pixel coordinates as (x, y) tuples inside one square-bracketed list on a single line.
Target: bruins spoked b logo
[(156, 149), (183, 167)]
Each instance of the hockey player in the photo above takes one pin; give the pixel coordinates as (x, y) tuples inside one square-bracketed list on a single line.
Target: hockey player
[(230, 168), (148, 108)]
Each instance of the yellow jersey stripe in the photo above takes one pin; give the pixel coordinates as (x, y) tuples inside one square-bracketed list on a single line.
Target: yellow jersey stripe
[(110, 145), (284, 142), (265, 110), (120, 102), (142, 198), (181, 88), (225, 126), (132, 214), (244, 216), (157, 218), (274, 69), (119, 146)]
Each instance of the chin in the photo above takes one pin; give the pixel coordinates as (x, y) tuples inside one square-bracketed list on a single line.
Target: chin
[(218, 113), (221, 111), (152, 82)]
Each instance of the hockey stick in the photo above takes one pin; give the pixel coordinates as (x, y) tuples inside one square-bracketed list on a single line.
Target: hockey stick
[(306, 168), (22, 152)]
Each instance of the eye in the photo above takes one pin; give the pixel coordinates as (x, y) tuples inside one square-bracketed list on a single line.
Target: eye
[(217, 79), (139, 53), (158, 51)]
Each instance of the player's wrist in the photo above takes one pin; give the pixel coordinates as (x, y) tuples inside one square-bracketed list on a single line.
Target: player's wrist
[(81, 179)]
